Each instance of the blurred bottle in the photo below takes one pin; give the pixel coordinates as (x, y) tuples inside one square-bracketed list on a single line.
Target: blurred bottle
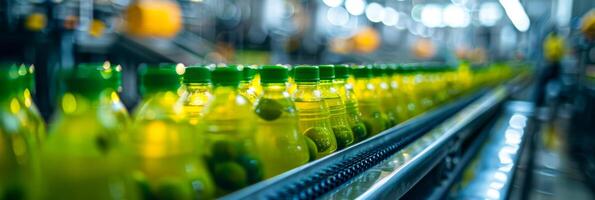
[(338, 113), (246, 87), (345, 90), (30, 113), (229, 127), (110, 100), (278, 141), (368, 101), (395, 83), (313, 113), (197, 82), (411, 90), (383, 91), (83, 157), (165, 146), (291, 86), (18, 156)]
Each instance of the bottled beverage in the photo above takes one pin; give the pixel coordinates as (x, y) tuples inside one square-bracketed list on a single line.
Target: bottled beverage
[(246, 87), (110, 99), (197, 82), (17, 147), (166, 148), (383, 91), (345, 91), (336, 107), (30, 113), (83, 157), (368, 101), (278, 141), (398, 90), (229, 128), (409, 87), (313, 113)]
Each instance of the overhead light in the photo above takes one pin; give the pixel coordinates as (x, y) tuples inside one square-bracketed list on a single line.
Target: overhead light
[(332, 3), (489, 13), (337, 16), (431, 15), (456, 16), (391, 16), (375, 12), (516, 13), (355, 7)]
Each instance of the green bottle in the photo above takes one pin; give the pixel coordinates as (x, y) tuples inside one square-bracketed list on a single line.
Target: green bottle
[(228, 126), (313, 113), (18, 156), (110, 99), (345, 90), (246, 87), (83, 157), (336, 107), (383, 91), (278, 141), (397, 89), (30, 113), (197, 82), (369, 101), (166, 148)]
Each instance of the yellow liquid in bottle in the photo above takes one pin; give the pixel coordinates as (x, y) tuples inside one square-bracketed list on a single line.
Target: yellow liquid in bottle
[(279, 143), (387, 100), (18, 156), (196, 97), (167, 151), (228, 126), (83, 157), (314, 118), (369, 104), (354, 116), (338, 114)]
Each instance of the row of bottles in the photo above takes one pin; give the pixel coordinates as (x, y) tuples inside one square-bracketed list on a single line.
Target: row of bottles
[(207, 132)]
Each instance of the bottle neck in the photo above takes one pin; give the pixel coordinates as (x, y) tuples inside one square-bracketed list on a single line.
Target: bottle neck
[(197, 87), (325, 84), (274, 90)]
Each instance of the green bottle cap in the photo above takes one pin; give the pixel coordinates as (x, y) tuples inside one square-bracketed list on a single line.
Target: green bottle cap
[(378, 70), (306, 73), (197, 74), (273, 74), (111, 73), (291, 71), (327, 72), (390, 69), (342, 71), (248, 73), (85, 81), (361, 71), (226, 76), (9, 77), (159, 77)]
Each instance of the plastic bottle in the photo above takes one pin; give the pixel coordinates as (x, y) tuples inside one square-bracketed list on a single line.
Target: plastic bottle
[(166, 148), (246, 87), (197, 82), (278, 140), (398, 90), (229, 127), (368, 101), (382, 90), (30, 114), (83, 157), (336, 107), (313, 113), (17, 147), (345, 90), (110, 99)]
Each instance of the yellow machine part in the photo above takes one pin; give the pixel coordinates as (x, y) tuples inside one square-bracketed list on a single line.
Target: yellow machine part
[(153, 18)]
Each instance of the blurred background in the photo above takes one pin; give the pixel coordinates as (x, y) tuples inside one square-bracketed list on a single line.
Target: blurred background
[(556, 36)]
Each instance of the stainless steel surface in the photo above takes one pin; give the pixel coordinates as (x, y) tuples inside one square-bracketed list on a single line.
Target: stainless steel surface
[(493, 171), (405, 168)]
